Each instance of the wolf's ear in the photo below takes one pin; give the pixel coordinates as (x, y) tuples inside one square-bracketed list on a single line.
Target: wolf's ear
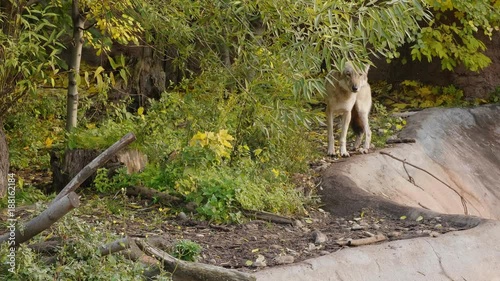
[(367, 67)]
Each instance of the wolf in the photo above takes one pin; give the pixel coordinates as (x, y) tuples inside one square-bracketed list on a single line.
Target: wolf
[(349, 94)]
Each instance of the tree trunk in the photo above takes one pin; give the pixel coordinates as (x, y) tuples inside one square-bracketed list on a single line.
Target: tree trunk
[(74, 73), (92, 167), (4, 162)]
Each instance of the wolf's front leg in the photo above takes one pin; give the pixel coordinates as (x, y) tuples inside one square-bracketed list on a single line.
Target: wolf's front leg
[(331, 140), (346, 119)]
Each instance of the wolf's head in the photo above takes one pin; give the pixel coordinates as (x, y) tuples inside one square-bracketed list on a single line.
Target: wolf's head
[(353, 79)]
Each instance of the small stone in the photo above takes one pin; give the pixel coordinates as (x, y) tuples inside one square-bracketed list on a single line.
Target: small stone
[(252, 226), (182, 216), (434, 234), (438, 226), (376, 226), (276, 247), (394, 234), (324, 253), (311, 247), (292, 252), (319, 237), (284, 259), (260, 261), (298, 224), (356, 226), (212, 261), (368, 234), (200, 235), (271, 236)]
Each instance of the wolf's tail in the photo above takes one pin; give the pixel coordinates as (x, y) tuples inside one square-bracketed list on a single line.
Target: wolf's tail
[(356, 122)]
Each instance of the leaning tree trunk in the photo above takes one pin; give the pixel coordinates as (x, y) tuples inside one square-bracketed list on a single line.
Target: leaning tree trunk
[(4, 162), (76, 57)]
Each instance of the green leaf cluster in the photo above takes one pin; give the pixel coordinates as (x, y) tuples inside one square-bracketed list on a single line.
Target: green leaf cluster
[(456, 32)]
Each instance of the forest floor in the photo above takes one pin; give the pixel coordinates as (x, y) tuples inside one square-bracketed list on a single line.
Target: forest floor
[(254, 244)]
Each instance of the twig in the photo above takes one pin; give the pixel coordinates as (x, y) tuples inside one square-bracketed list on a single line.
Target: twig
[(270, 217), (464, 202), (410, 178), (363, 241)]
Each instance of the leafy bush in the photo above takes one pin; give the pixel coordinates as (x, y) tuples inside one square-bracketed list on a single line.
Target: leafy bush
[(186, 250)]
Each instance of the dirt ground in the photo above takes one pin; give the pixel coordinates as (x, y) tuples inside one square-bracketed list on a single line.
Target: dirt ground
[(258, 243)]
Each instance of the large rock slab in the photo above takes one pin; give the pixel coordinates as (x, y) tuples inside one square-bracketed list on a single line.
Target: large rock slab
[(466, 255), (459, 149)]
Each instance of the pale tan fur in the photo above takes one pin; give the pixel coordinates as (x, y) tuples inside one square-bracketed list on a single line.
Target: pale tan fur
[(345, 90)]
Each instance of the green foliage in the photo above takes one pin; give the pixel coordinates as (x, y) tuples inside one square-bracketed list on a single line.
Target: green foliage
[(25, 195), (34, 129), (77, 258), (384, 124), (495, 96), (104, 184), (30, 46), (453, 34), (415, 95), (186, 250)]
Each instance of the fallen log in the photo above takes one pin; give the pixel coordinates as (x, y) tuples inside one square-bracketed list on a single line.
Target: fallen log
[(192, 271), (43, 221), (92, 167)]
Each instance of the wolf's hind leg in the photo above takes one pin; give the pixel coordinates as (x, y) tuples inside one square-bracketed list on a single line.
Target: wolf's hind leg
[(366, 131), (331, 140)]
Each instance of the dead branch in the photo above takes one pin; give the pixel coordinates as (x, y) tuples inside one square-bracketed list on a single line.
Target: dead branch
[(464, 202), (270, 217), (43, 221), (161, 197), (92, 167), (363, 241), (192, 271), (404, 140), (115, 246)]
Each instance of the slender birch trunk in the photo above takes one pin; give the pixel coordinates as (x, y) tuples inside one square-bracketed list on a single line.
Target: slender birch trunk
[(74, 73)]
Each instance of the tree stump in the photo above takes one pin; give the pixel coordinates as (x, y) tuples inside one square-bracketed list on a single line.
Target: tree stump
[(67, 166)]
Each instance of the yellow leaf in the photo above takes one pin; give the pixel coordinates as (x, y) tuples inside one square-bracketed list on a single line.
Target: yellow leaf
[(199, 139), (98, 71), (255, 250), (140, 110), (48, 142), (276, 172)]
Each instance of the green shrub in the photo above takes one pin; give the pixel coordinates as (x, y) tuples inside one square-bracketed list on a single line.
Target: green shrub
[(186, 250)]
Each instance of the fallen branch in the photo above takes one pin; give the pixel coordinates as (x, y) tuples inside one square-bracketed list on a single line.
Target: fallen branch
[(405, 140), (363, 241), (160, 197), (43, 221), (464, 202), (115, 246), (192, 271), (270, 217), (92, 167)]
